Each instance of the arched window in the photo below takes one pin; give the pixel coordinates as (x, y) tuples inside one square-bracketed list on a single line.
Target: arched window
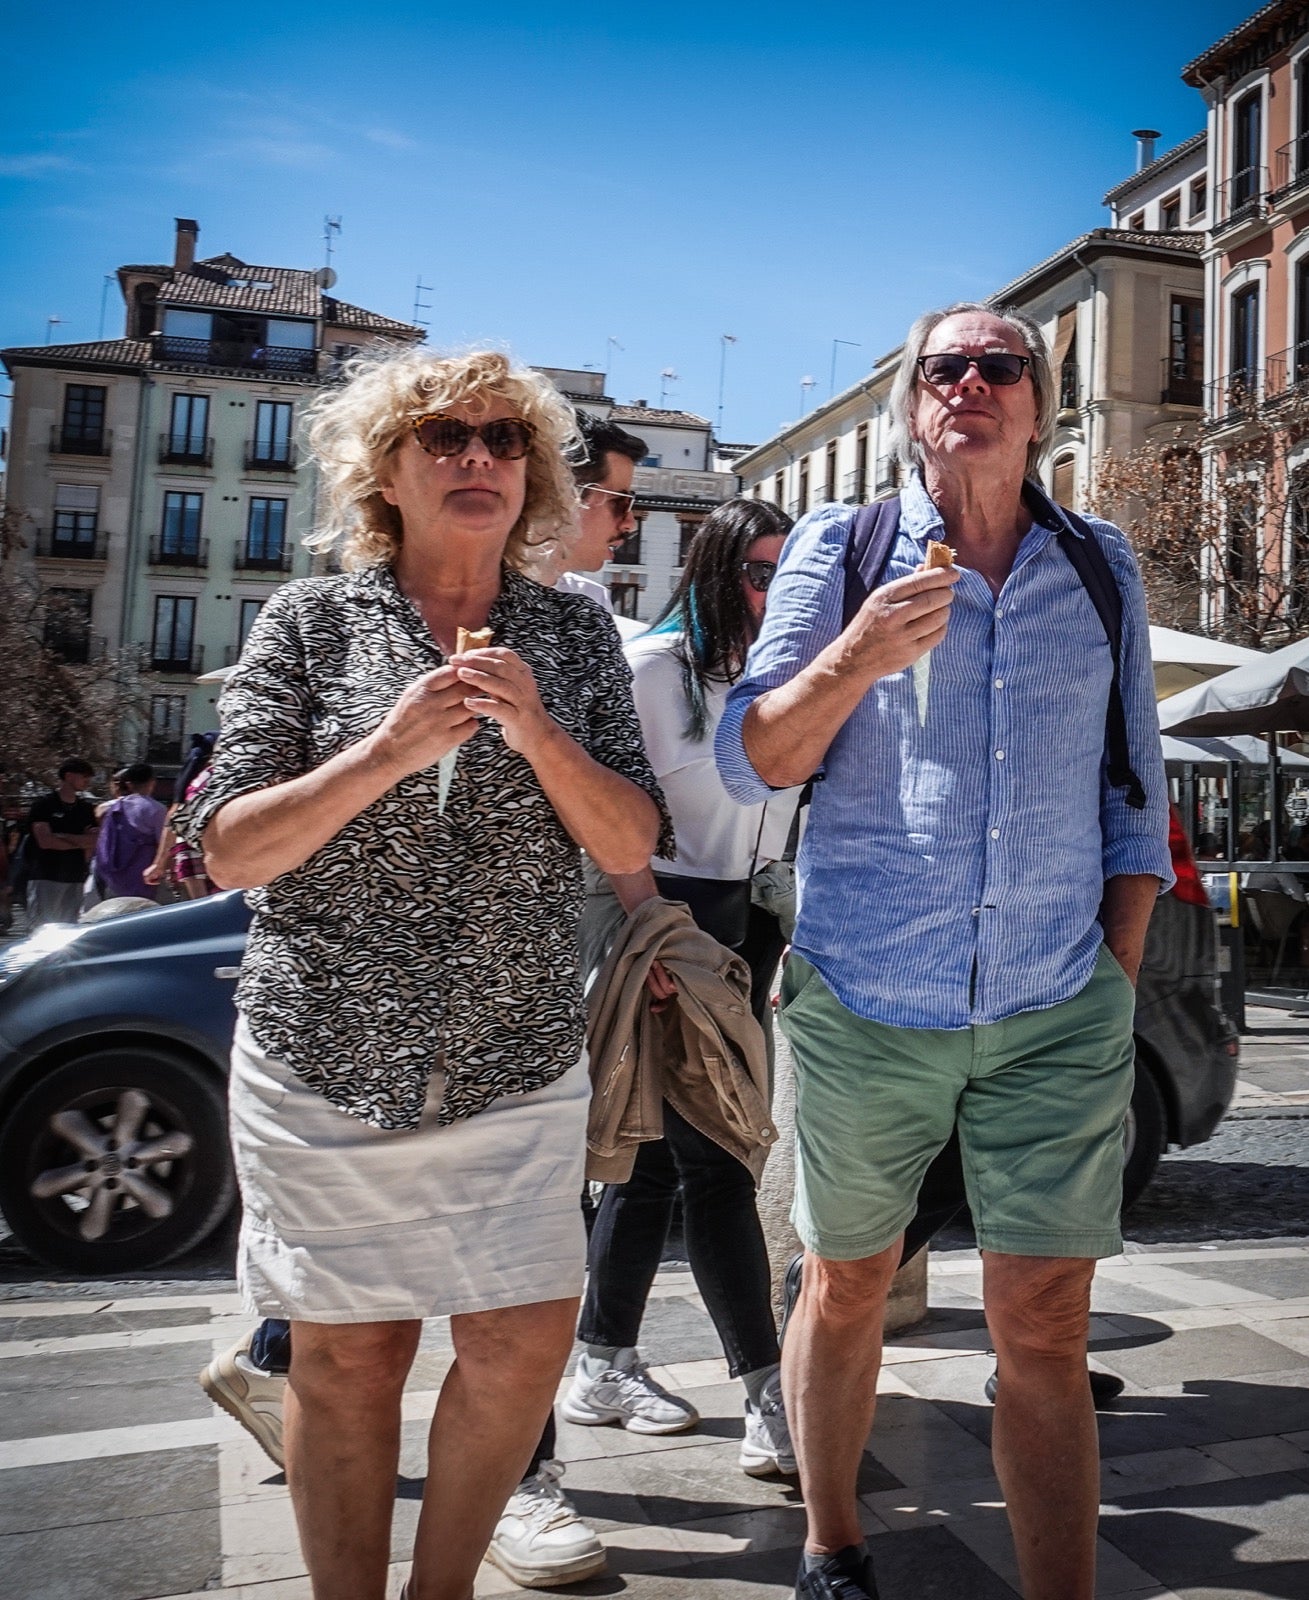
[(1065, 481)]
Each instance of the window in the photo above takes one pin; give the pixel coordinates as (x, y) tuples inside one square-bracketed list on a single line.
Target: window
[(1185, 352), (624, 597), (250, 609), (1300, 355), (286, 335), (1065, 481), (687, 528), (188, 325), (265, 532), (651, 461), (180, 533), (1170, 213), (174, 633), (829, 484), (272, 445), (860, 485), (188, 428), (83, 429), (77, 517), (628, 554), (1243, 362), (1199, 198), (1247, 148), (1065, 358), (1137, 222), (68, 624), (1300, 149), (779, 489), (802, 495), (167, 723), (1242, 534)]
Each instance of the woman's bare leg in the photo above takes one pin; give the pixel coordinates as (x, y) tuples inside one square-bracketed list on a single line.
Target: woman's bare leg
[(493, 1404), (342, 1439)]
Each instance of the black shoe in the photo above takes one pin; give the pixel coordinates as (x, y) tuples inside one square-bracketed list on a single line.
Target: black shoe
[(848, 1575), (1105, 1387), (791, 1280)]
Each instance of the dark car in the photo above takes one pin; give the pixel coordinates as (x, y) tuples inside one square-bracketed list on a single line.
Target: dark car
[(114, 1038)]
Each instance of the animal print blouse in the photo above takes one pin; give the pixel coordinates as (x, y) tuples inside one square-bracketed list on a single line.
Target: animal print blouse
[(418, 936)]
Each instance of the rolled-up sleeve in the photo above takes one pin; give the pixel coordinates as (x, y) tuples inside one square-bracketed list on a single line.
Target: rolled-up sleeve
[(264, 717), (1135, 841), (803, 616), (614, 737)]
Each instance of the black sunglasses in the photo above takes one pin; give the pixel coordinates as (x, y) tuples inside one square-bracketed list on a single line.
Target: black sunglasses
[(507, 439), (949, 366), (759, 574)]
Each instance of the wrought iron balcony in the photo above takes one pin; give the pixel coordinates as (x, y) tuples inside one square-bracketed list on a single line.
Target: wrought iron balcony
[(888, 473), (1234, 397), (1291, 167), (80, 441), (178, 663), (263, 456), (240, 354), (1241, 199), (856, 487), (1288, 372), (270, 561), (164, 748), (179, 552), (51, 545), (185, 450), (1178, 387)]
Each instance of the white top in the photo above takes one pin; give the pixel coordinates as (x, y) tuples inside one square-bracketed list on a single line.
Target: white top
[(715, 836), (593, 589)]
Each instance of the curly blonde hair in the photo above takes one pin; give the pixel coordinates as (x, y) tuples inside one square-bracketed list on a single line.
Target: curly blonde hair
[(353, 428)]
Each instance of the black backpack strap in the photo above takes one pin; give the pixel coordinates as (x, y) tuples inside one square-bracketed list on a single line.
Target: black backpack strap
[(1092, 567), (867, 550)]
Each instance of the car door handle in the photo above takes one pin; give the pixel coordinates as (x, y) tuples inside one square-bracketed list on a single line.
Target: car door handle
[(227, 972)]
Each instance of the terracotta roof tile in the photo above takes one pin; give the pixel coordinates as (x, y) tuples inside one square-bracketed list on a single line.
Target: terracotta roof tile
[(670, 419), (284, 291), (341, 314), (95, 352)]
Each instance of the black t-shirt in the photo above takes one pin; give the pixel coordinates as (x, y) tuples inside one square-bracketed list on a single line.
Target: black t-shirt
[(70, 817)]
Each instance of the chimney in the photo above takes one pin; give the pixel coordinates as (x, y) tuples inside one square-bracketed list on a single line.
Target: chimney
[(1145, 138), (184, 251)]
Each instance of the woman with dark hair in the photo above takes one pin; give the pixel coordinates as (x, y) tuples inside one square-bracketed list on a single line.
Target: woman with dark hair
[(176, 862), (681, 673)]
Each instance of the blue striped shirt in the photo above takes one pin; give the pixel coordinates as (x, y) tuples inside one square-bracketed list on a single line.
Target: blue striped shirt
[(952, 870)]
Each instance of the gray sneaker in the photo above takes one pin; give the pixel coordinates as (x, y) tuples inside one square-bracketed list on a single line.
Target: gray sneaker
[(766, 1448), (248, 1393), (626, 1393), (540, 1541)]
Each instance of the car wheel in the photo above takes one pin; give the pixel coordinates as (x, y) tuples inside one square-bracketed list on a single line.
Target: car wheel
[(1145, 1133), (116, 1161)]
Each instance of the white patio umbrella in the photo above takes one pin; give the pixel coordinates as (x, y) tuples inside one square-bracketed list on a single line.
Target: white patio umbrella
[(1182, 660)]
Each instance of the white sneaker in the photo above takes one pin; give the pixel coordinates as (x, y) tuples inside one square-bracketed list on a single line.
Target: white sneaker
[(540, 1541), (766, 1448), (627, 1394), (248, 1393)]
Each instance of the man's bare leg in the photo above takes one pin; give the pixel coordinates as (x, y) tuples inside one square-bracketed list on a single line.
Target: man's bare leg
[(830, 1362), (1044, 1437)]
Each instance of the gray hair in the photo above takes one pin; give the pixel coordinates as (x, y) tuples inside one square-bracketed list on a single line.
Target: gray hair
[(904, 389)]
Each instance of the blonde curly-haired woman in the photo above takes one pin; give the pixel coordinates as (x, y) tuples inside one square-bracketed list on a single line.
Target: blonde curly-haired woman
[(408, 1091)]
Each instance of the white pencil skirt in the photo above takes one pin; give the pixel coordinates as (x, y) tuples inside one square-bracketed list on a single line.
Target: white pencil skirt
[(344, 1222)]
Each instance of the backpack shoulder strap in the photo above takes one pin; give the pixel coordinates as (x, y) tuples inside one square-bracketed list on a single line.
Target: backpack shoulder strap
[(1091, 564), (867, 550)]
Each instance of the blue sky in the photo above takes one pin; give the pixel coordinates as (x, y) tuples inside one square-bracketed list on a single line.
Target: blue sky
[(563, 175)]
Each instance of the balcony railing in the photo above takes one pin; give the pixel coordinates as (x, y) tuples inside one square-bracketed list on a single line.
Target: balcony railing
[(233, 353), (271, 561), (1291, 166), (78, 442), (888, 473), (179, 662), (1242, 198), (54, 546), (263, 456), (1288, 372), (856, 487), (164, 748), (185, 450), (1178, 387), (1234, 396), (179, 552)]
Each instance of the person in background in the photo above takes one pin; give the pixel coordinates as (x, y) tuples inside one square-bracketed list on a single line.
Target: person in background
[(62, 839), (178, 863), (603, 468), (130, 830), (681, 674)]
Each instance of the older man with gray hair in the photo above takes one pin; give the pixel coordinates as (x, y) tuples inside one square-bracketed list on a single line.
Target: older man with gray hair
[(984, 848)]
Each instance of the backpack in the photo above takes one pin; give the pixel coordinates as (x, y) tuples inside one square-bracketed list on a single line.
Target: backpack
[(872, 533)]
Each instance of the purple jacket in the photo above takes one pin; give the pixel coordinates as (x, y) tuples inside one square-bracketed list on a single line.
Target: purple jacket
[(130, 831)]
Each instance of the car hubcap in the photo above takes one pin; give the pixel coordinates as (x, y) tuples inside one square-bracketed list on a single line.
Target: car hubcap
[(113, 1171)]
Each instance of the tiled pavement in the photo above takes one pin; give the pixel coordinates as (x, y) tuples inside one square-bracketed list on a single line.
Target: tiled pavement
[(119, 1482)]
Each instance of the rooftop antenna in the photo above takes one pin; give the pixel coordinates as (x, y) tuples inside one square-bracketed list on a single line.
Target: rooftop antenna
[(420, 289), (611, 343), (666, 377), (104, 298), (724, 339), (854, 345), (51, 323), (331, 227), (806, 383)]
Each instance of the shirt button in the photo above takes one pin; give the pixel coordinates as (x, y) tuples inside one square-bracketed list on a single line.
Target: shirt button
[(999, 611), (999, 683), (995, 833), (999, 755), (976, 911)]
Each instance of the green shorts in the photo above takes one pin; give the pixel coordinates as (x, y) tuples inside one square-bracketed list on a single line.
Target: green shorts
[(1039, 1101)]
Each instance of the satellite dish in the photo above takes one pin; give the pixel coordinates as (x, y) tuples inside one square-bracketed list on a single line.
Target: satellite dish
[(325, 277)]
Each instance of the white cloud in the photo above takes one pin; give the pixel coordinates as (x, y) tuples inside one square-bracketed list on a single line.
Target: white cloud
[(35, 166), (390, 139)]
